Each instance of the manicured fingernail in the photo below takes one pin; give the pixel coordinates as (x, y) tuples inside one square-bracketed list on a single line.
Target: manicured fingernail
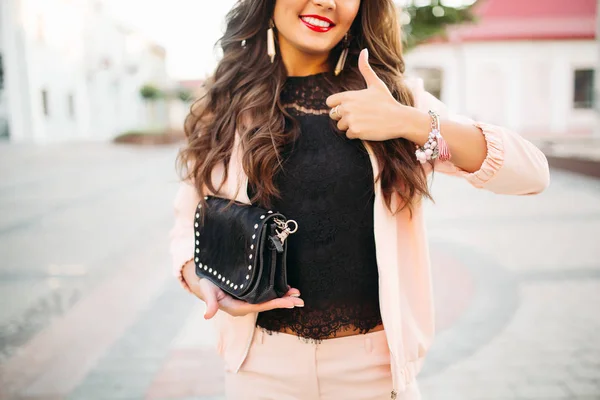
[(295, 294)]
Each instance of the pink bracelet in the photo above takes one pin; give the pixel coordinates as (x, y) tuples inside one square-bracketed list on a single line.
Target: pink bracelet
[(436, 146)]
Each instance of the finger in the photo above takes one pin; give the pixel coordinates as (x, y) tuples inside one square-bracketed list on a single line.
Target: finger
[(339, 98), (336, 113), (282, 302), (292, 292), (211, 301), (367, 71), (343, 124)]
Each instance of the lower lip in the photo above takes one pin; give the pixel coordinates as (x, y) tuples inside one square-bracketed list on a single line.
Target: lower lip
[(315, 28)]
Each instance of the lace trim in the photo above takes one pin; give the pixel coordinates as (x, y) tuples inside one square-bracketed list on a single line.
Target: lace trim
[(307, 95), (315, 325), (304, 110)]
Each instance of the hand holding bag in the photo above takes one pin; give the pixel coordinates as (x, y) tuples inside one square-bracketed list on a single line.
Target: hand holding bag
[(242, 248)]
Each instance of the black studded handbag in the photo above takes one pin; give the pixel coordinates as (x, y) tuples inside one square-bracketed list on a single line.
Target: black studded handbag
[(242, 248)]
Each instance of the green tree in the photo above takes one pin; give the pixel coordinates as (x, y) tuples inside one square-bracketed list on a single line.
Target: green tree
[(151, 94), (184, 95), (424, 22)]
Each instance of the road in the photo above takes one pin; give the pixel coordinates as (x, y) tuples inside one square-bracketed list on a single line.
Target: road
[(90, 311)]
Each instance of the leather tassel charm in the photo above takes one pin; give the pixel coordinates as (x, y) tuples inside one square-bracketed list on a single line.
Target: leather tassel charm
[(342, 60), (271, 42)]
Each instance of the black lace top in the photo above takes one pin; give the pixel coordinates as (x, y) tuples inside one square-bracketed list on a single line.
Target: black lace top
[(327, 187)]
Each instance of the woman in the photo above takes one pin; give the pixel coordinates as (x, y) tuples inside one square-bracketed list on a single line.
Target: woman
[(308, 112)]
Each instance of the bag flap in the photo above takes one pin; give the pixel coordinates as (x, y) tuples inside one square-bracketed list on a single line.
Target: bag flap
[(227, 242)]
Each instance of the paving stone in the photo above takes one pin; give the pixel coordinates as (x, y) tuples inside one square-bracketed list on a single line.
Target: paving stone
[(524, 325), (581, 388), (541, 391)]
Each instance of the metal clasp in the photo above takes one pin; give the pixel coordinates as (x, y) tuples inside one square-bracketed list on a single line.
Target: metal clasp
[(285, 229)]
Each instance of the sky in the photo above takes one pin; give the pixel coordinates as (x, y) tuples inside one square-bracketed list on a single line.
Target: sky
[(188, 29)]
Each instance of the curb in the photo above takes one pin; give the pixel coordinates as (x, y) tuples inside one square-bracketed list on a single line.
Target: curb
[(578, 165)]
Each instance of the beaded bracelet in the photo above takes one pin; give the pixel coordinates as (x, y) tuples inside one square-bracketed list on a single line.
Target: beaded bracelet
[(436, 146)]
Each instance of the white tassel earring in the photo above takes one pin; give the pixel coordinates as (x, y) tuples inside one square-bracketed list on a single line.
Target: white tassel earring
[(342, 60), (271, 41)]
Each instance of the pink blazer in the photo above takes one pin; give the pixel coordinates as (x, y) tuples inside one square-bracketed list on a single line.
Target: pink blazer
[(512, 166)]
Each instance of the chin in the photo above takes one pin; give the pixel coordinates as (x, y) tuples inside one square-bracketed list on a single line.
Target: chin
[(310, 47)]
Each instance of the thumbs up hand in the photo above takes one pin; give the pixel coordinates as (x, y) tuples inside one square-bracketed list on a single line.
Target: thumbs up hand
[(369, 114)]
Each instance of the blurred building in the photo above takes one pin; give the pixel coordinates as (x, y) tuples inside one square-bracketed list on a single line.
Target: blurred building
[(72, 72), (178, 110), (528, 65)]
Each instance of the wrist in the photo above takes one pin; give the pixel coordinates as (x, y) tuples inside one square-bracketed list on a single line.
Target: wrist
[(435, 147), (418, 127), (187, 274)]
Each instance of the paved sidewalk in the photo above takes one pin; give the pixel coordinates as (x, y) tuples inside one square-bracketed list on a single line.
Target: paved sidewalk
[(565, 146), (89, 309), (575, 154)]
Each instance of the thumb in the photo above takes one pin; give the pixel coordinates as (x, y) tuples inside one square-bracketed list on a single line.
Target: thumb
[(212, 303), (367, 72)]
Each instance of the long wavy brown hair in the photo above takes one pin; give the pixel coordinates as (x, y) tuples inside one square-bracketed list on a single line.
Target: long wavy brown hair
[(243, 95)]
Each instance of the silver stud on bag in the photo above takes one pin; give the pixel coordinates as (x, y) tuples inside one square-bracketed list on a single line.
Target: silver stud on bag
[(255, 226), (210, 270), (247, 277), (197, 250), (242, 286), (270, 212), (197, 215), (250, 267), (197, 242), (250, 256), (262, 217), (215, 272), (197, 233), (205, 267), (219, 276), (228, 281), (223, 279), (231, 285), (235, 287), (251, 247), (253, 237), (197, 261)]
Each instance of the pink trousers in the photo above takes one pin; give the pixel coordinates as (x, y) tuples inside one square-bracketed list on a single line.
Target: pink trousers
[(283, 367)]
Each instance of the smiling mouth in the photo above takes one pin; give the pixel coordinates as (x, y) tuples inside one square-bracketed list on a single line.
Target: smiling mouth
[(317, 24)]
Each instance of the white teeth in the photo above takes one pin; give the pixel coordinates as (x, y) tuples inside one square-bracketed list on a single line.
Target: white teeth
[(316, 22)]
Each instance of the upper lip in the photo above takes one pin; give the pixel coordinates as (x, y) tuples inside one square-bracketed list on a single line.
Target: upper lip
[(318, 17)]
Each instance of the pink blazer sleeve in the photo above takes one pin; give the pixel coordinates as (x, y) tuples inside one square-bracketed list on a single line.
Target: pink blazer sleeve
[(182, 233), (513, 165)]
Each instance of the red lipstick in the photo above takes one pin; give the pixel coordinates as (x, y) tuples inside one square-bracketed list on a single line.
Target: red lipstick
[(315, 27)]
